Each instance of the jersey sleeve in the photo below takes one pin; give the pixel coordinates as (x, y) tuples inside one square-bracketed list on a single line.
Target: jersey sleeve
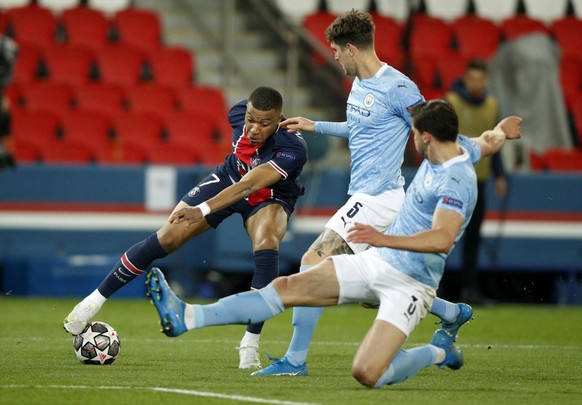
[(471, 146), (403, 95), (455, 194), (339, 129), (291, 155)]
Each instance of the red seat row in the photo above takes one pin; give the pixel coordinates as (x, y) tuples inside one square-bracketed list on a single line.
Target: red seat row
[(118, 64), (83, 26)]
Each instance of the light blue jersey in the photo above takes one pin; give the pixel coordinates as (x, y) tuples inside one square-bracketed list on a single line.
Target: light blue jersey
[(378, 128), (451, 185)]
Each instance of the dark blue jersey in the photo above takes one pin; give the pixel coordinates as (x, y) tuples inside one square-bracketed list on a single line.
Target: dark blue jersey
[(286, 152)]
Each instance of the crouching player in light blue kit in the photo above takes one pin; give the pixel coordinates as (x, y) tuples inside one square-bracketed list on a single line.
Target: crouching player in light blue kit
[(401, 273)]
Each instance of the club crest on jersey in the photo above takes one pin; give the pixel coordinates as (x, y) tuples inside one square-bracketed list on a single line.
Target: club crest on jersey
[(428, 180), (255, 161), (194, 192), (369, 100)]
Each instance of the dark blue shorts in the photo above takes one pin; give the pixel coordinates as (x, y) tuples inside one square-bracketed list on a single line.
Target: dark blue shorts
[(217, 181)]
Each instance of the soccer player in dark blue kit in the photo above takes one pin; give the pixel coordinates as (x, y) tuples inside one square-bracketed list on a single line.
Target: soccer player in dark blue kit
[(258, 180)]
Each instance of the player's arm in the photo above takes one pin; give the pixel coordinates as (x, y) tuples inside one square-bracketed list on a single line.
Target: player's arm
[(339, 129), (439, 239), (260, 177), (491, 141)]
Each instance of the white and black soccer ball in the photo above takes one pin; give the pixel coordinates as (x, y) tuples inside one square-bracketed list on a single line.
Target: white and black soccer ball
[(98, 344)]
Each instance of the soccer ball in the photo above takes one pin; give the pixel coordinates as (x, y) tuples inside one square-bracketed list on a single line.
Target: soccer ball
[(98, 344)]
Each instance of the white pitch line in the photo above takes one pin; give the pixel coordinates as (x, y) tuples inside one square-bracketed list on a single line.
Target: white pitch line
[(163, 389), (315, 343)]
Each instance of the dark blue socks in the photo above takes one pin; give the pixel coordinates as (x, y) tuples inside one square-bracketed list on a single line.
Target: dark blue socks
[(133, 263)]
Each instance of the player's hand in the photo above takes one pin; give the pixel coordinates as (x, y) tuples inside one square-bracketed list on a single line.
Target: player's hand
[(189, 215), (511, 127), (360, 233), (298, 124)]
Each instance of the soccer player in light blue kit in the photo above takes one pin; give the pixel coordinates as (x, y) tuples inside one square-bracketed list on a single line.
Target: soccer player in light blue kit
[(401, 273), (377, 128)]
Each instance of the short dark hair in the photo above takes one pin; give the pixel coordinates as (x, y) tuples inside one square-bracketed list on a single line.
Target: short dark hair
[(266, 99), (437, 117), (354, 27), (477, 64)]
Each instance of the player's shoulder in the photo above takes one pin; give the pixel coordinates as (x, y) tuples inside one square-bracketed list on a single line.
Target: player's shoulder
[(283, 139)]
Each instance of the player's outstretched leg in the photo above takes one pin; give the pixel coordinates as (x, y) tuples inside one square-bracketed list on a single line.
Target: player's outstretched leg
[(170, 308)]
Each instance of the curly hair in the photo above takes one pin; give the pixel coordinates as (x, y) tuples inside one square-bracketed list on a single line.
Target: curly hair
[(354, 27)]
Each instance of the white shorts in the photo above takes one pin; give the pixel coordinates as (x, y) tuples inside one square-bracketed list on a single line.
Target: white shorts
[(378, 211), (365, 277)]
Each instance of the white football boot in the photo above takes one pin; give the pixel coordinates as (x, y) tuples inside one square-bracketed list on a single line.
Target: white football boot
[(80, 316)]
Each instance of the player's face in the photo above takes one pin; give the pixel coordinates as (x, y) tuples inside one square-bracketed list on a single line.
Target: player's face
[(419, 143), (261, 124), (344, 57)]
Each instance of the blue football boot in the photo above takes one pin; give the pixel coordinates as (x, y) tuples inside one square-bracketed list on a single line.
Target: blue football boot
[(282, 367), (464, 316), (453, 357), (169, 306)]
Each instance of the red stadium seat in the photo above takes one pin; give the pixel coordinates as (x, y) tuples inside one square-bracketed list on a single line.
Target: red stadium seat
[(102, 98), (69, 64), (568, 34), (118, 154), (62, 152), (121, 65), (50, 97), (27, 64), (152, 99), (424, 71), (515, 27), (87, 128), (199, 96), (430, 36), (172, 66), (450, 69), (389, 34), (85, 27), (576, 111), (316, 24), (139, 128), (476, 37), (561, 160), (571, 78), (32, 25), (173, 153), (36, 128), (198, 131), (25, 152), (139, 28)]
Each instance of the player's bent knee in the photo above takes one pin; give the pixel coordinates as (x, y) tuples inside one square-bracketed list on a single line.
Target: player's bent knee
[(170, 242), (365, 375)]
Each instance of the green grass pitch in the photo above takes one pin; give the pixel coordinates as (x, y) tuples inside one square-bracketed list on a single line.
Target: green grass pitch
[(514, 355)]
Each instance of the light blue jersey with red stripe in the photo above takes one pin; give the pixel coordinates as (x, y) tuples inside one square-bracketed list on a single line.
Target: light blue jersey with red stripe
[(451, 185)]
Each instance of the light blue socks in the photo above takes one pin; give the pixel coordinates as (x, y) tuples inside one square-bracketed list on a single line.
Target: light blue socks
[(407, 363), (244, 308), (445, 310)]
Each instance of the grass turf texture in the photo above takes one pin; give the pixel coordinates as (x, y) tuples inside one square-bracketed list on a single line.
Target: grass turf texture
[(514, 355)]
